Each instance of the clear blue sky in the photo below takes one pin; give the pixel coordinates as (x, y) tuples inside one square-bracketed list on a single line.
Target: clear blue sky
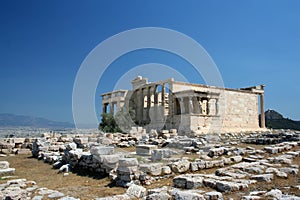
[(43, 43)]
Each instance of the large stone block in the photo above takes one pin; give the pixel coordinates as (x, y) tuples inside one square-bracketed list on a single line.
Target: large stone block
[(7, 171), (102, 150), (109, 159), (180, 166), (179, 195), (126, 177), (154, 169), (226, 186), (263, 177), (160, 154), (127, 162), (179, 181), (216, 152), (127, 170), (109, 162), (145, 150), (274, 194), (194, 182), (271, 150), (213, 195), (188, 181), (236, 159)]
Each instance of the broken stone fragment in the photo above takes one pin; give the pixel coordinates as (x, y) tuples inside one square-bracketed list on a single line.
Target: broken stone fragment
[(136, 191), (251, 197), (56, 194), (289, 170), (226, 186), (71, 146), (190, 194), (180, 166), (236, 159), (213, 195), (276, 194), (159, 196), (57, 164), (115, 197), (263, 177), (194, 166), (65, 168), (166, 170), (5, 170), (4, 165)]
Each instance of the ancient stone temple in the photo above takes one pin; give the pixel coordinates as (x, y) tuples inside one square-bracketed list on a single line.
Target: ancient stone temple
[(187, 107)]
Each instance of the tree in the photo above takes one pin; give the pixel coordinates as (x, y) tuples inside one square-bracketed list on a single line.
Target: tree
[(108, 124)]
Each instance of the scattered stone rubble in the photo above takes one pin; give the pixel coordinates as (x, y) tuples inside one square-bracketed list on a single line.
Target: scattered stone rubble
[(272, 138), (166, 155), (5, 170), (23, 189)]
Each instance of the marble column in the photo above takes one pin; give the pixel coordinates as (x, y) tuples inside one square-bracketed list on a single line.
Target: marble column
[(182, 107), (163, 91), (155, 96), (212, 106), (148, 104), (190, 105), (140, 105), (200, 105), (217, 107), (262, 111), (111, 108)]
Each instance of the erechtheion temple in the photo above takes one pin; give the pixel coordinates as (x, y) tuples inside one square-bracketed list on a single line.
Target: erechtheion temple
[(187, 107)]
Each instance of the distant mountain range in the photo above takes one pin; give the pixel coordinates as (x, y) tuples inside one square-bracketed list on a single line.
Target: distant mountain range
[(273, 120), (11, 120), (276, 121)]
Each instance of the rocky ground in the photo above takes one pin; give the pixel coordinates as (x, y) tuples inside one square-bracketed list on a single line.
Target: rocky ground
[(152, 165), (83, 187)]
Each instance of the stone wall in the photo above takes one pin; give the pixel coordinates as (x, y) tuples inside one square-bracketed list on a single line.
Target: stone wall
[(241, 112)]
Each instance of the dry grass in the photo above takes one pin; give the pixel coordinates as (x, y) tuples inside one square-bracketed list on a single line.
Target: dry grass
[(82, 187)]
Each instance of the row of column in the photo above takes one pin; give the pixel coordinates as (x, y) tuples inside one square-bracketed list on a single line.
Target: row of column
[(198, 105), (150, 91), (113, 107)]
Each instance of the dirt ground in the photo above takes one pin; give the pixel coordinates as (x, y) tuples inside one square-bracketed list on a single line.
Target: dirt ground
[(85, 187), (82, 187)]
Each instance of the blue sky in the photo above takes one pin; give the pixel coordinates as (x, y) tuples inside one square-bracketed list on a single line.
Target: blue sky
[(43, 43)]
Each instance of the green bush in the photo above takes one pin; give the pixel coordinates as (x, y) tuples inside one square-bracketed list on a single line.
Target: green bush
[(108, 124)]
